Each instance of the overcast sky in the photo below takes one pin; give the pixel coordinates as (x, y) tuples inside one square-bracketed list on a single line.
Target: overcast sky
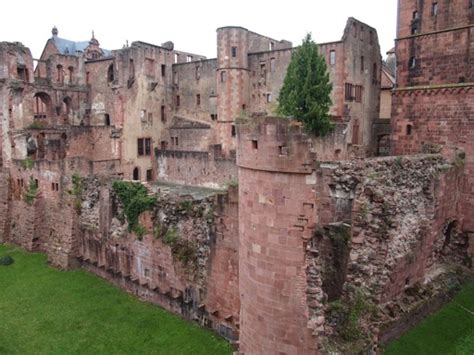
[(191, 25)]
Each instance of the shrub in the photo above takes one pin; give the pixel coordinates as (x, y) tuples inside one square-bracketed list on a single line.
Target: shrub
[(135, 200), (6, 260)]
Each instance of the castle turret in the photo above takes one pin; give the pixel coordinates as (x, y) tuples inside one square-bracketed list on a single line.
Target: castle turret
[(232, 82), (277, 217)]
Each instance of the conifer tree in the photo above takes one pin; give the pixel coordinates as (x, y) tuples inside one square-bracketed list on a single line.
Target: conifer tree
[(305, 95)]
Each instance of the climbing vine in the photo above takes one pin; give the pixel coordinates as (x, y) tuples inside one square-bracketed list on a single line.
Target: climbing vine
[(135, 200), (31, 192)]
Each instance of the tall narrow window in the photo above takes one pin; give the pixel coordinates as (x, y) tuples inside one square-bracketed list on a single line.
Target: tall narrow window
[(415, 15), (110, 73), (362, 67), (147, 146), (176, 57), (234, 52), (198, 72), (175, 78), (375, 73), (272, 65), (434, 9), (332, 57), (140, 150), (71, 73), (131, 69), (60, 77), (178, 101), (136, 174), (163, 113), (223, 76), (163, 70), (198, 99), (412, 63)]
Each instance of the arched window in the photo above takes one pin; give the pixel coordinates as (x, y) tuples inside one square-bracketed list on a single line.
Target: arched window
[(67, 105), (60, 74), (136, 174), (42, 102)]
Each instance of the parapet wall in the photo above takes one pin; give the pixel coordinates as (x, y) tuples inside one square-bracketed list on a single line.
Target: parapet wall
[(195, 169)]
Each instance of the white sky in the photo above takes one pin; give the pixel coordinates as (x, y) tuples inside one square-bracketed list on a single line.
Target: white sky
[(191, 25)]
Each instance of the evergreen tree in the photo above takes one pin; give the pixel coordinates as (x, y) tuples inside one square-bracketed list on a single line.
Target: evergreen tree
[(305, 94)]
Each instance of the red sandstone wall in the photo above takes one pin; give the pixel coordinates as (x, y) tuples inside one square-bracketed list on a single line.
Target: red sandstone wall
[(196, 169)]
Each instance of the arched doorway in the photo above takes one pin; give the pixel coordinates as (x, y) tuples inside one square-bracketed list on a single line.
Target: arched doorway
[(136, 174)]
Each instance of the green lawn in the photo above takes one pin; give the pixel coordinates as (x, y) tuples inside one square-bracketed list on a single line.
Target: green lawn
[(47, 311), (449, 331)]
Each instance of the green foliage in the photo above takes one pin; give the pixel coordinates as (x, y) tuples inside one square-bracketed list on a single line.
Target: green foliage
[(139, 231), (171, 236), (86, 315), (27, 163), (77, 187), (347, 314), (185, 206), (36, 125), (135, 199), (31, 192), (6, 260), (305, 94)]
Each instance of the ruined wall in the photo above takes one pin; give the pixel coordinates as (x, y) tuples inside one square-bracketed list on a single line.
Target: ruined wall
[(191, 80), (196, 169), (185, 259)]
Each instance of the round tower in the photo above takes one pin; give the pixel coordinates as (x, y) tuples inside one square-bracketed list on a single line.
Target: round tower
[(276, 218), (232, 83)]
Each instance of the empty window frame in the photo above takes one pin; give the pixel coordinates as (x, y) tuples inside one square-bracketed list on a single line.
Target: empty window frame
[(358, 93), (176, 57), (412, 63), (178, 101), (223, 76), (234, 52), (434, 9), (189, 58), (163, 113), (163, 70), (198, 100), (332, 57), (348, 91)]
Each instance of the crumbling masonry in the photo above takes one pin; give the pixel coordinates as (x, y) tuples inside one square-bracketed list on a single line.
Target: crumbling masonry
[(245, 224)]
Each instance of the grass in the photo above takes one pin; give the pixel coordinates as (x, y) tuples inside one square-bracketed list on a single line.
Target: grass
[(449, 331), (48, 311)]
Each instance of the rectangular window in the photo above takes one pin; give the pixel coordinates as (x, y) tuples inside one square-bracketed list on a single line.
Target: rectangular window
[(269, 97), (471, 4), (362, 67), (150, 67), (223, 76), (272, 65), (140, 150), (271, 46), (198, 72), (198, 99), (176, 57), (332, 57), (163, 113), (434, 9), (415, 15), (150, 117), (358, 93), (233, 132), (178, 101), (147, 146), (348, 92), (149, 177), (234, 52), (163, 70), (175, 78), (189, 58), (263, 70), (412, 63), (375, 73), (213, 116)]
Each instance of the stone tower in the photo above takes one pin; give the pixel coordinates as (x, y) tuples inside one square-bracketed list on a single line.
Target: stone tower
[(433, 103), (276, 218), (232, 82)]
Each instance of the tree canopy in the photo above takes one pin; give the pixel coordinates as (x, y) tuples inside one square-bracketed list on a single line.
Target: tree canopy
[(306, 90)]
